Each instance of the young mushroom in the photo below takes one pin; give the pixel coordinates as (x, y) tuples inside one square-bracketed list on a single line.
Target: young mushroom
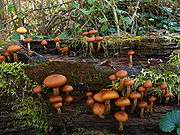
[(163, 87), (90, 41), (57, 41), (121, 117), (98, 41), (147, 85), (90, 102), (142, 105), (135, 96), (37, 89), (55, 99), (152, 99), (21, 31), (44, 43), (129, 84), (55, 81), (67, 89), (68, 99), (168, 95), (141, 90), (98, 96), (58, 106), (130, 54), (7, 55), (2, 58), (121, 74), (13, 49), (99, 109), (28, 41), (112, 78), (89, 94), (122, 103)]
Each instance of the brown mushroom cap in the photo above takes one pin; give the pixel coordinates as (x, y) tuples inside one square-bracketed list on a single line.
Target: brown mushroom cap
[(121, 116), (2, 58), (13, 48), (131, 52), (135, 95), (44, 42), (55, 99), (92, 32), (121, 74), (67, 88), (37, 89), (152, 99), (143, 104), (148, 84), (57, 39), (109, 94), (57, 105), (128, 82), (90, 101), (112, 77), (27, 40), (141, 89), (98, 109), (122, 102), (55, 81), (164, 86), (68, 99), (89, 94), (21, 30), (98, 96)]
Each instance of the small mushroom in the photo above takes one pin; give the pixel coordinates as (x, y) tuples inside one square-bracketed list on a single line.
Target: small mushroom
[(99, 109), (152, 99), (92, 32), (89, 94), (37, 89), (67, 89), (85, 33), (44, 43), (57, 41), (168, 95), (98, 41), (147, 85), (141, 90), (121, 117), (142, 105), (122, 103), (121, 74), (55, 81), (28, 41), (2, 58), (21, 31), (163, 87), (112, 78), (107, 96), (68, 99), (90, 102), (7, 55), (129, 84), (13, 49), (58, 106), (98, 96), (130, 54), (55, 99), (90, 42), (135, 96), (64, 50)]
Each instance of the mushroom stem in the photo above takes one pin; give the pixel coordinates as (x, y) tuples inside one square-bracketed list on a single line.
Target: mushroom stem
[(122, 108), (15, 57), (91, 48), (99, 46), (113, 84), (101, 116), (134, 106), (121, 84), (128, 91), (59, 110), (57, 45), (130, 61), (142, 113), (107, 106), (151, 107), (142, 95), (121, 126), (29, 46), (167, 100), (45, 48), (55, 91), (21, 37)]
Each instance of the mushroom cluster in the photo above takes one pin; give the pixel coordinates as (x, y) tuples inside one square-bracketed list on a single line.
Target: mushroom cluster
[(60, 89), (91, 39)]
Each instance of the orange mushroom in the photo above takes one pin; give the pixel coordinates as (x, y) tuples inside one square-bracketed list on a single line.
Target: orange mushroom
[(129, 84), (122, 103), (121, 117), (130, 54), (58, 106), (121, 74), (99, 109), (112, 78), (37, 89), (44, 43), (2, 58), (21, 31), (13, 49), (168, 95), (89, 94), (7, 55), (152, 99), (67, 89), (142, 105), (28, 41), (141, 90), (68, 99), (98, 41), (135, 96), (55, 99), (90, 102), (57, 40)]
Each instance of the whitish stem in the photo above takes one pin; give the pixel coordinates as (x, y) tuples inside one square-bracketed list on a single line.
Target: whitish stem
[(121, 126), (57, 45), (107, 107), (59, 110), (101, 116), (113, 84), (151, 107), (167, 100), (45, 48), (99, 46), (128, 91), (134, 106), (142, 113), (130, 61), (142, 95), (56, 91), (21, 37), (29, 46)]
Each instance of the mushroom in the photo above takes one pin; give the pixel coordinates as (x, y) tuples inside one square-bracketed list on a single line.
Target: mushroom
[(58, 106), (85, 33), (142, 105), (108, 95), (13, 49), (163, 87), (121, 117), (57, 41), (112, 78), (2, 58), (90, 46), (68, 99), (55, 99), (152, 99), (141, 90), (121, 74), (98, 96), (167, 96), (90, 102), (67, 89), (37, 89), (122, 103), (28, 41), (92, 33), (147, 85), (135, 96), (44, 43), (130, 54), (129, 84), (64, 50), (98, 41), (21, 31), (7, 55), (55, 81), (99, 109), (89, 94)]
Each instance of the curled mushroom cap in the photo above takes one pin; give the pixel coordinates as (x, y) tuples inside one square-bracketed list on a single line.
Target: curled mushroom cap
[(57, 105), (152, 99), (142, 104), (67, 88), (55, 99), (131, 52), (135, 95), (112, 77), (89, 94), (109, 94), (98, 109), (27, 40), (21, 30), (129, 82), (121, 74), (56, 40), (122, 102), (164, 86), (68, 99), (121, 116), (44, 42), (55, 81), (141, 89), (92, 32), (99, 38), (13, 48), (148, 84)]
